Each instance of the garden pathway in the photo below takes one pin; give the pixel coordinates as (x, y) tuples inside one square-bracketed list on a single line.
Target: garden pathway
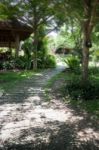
[(29, 122)]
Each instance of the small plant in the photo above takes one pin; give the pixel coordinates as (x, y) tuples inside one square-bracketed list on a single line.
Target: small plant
[(73, 63), (46, 60), (23, 62), (93, 70), (77, 91), (50, 61), (8, 65)]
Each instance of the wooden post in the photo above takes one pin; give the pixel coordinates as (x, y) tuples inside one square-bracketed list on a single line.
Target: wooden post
[(17, 45), (10, 47)]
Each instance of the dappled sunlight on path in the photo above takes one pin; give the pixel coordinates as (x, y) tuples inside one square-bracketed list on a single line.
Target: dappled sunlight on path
[(28, 121)]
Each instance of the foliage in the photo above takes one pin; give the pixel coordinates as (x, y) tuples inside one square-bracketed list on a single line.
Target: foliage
[(41, 58), (50, 61), (77, 52), (46, 61), (90, 106), (22, 62), (69, 36), (13, 6), (73, 63), (47, 13), (27, 46), (28, 53), (7, 65), (19, 63), (76, 90), (94, 71)]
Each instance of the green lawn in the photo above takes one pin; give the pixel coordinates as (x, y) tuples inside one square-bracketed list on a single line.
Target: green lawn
[(9, 79)]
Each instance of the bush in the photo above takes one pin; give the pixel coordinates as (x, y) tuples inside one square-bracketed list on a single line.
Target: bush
[(1, 65), (45, 60), (73, 63), (23, 63), (8, 65), (20, 62), (76, 90), (93, 70), (50, 61)]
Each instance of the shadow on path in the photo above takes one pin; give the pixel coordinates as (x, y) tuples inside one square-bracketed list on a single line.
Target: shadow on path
[(29, 122)]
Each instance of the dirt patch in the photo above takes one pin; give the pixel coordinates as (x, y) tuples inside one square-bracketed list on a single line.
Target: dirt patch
[(29, 122)]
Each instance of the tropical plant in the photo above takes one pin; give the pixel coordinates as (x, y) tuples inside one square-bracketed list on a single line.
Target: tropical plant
[(73, 63)]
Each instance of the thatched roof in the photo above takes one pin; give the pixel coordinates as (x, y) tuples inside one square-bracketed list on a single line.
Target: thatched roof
[(10, 28)]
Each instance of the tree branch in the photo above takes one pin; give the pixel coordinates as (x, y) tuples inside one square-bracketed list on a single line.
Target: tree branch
[(93, 16)]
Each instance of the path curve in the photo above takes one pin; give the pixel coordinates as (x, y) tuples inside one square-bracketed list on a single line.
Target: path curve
[(29, 122)]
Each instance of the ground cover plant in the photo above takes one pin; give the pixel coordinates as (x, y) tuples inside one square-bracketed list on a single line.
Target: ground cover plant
[(9, 79), (71, 90)]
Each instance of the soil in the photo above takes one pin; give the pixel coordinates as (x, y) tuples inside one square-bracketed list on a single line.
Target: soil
[(28, 121)]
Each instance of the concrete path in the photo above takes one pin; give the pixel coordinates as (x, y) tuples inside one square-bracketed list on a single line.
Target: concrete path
[(29, 122)]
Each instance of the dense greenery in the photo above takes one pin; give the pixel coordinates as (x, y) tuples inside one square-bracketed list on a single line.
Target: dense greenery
[(73, 63), (45, 16), (75, 23), (77, 91), (22, 62)]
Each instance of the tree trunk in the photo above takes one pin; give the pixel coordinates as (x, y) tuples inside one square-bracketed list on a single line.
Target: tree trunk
[(35, 51), (35, 60), (17, 45), (87, 28), (89, 21), (85, 63)]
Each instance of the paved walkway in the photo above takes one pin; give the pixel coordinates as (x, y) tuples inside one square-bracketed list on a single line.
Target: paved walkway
[(29, 122)]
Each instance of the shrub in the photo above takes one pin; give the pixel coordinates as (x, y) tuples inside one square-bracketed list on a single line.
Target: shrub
[(20, 62), (76, 90), (73, 63), (41, 60), (23, 63), (50, 61), (8, 65), (93, 70), (45, 60)]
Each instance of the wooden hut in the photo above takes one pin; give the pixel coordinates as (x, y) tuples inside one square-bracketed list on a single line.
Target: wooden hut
[(12, 32), (62, 50)]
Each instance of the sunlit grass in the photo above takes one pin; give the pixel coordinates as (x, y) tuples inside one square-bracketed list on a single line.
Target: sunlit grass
[(91, 107), (10, 79)]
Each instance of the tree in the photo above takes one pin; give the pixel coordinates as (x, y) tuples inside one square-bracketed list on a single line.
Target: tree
[(46, 12), (39, 13), (10, 9), (85, 13), (90, 13), (34, 13)]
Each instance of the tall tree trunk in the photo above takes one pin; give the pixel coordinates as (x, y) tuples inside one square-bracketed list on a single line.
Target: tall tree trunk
[(35, 38), (35, 51), (89, 21), (85, 63)]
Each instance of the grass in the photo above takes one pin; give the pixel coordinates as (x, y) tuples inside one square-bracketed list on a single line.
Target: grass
[(9, 79), (53, 79), (90, 106)]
